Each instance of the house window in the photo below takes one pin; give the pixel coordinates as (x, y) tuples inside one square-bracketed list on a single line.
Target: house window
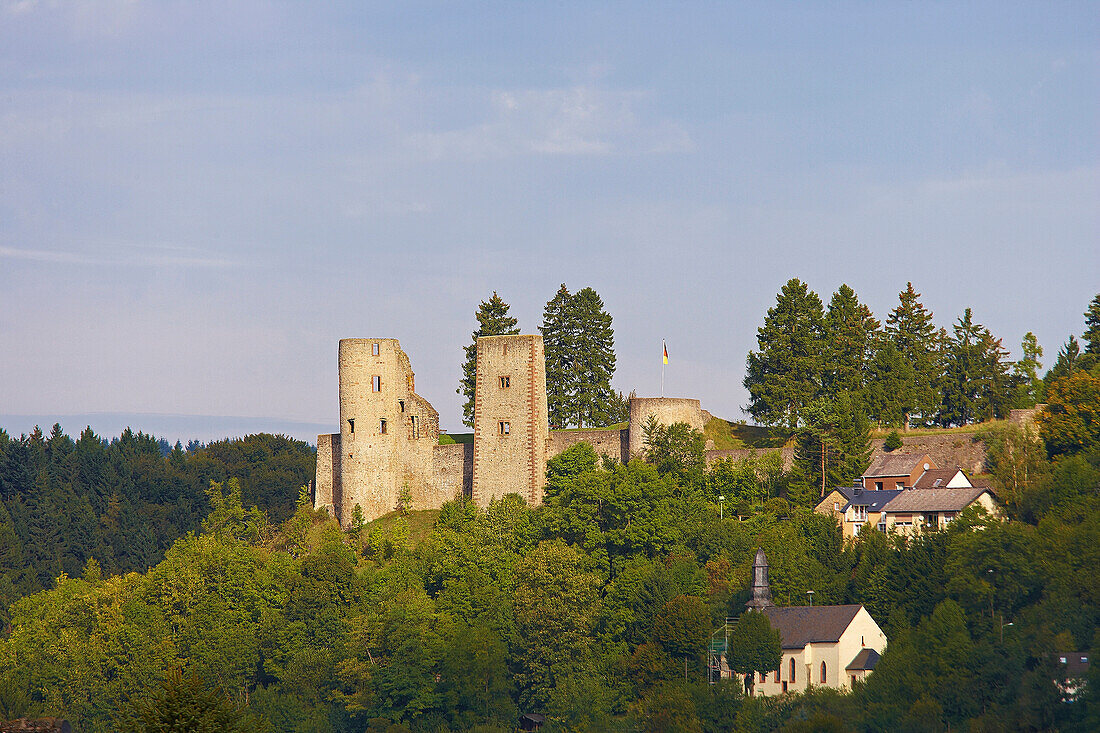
[(836, 506), (415, 427), (899, 485), (505, 427), (374, 349), (882, 525), (823, 678), (376, 383), (763, 677), (878, 485), (351, 424), (382, 426), (853, 680), (505, 382), (792, 669), (861, 513)]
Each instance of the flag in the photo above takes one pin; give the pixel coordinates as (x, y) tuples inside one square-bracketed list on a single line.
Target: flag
[(666, 351)]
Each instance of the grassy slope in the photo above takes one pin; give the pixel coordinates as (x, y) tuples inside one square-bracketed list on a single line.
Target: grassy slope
[(738, 435), (420, 523)]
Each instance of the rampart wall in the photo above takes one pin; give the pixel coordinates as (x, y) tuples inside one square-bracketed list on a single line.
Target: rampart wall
[(454, 471), (611, 443)]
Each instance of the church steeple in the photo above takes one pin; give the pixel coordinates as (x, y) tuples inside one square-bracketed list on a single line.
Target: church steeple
[(761, 593)]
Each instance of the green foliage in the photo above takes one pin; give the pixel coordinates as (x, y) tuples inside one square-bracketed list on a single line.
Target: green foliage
[(833, 447), (912, 333), (1025, 372), (1071, 421), (975, 384), (754, 647), (492, 320), (892, 442), (579, 344), (188, 703), (851, 334), (675, 449), (786, 372), (1092, 327)]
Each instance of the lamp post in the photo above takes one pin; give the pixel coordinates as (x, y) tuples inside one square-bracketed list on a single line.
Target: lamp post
[(1003, 625), (810, 595), (721, 507)]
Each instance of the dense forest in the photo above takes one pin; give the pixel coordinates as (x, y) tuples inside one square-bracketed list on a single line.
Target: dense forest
[(125, 501), (177, 579)]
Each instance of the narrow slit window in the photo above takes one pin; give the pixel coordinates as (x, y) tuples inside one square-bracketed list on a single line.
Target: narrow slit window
[(351, 424), (382, 426), (823, 678), (376, 383), (415, 427), (374, 349), (505, 382), (402, 404), (505, 427)]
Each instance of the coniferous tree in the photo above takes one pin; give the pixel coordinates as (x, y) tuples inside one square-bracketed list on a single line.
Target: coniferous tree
[(1092, 330), (579, 343), (1065, 364), (785, 374), (851, 332), (1025, 372), (593, 401), (910, 328), (493, 320), (975, 383), (558, 342), (833, 447)]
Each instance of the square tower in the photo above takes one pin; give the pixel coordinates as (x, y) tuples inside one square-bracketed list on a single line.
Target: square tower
[(511, 425)]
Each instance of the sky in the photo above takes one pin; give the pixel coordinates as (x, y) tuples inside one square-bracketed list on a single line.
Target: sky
[(198, 200)]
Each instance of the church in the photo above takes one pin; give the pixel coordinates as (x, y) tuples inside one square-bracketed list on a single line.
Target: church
[(830, 646)]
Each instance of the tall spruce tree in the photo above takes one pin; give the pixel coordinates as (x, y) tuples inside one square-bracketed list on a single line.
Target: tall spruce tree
[(785, 374), (910, 328), (890, 378), (593, 401), (559, 345), (580, 360), (1092, 327), (1025, 372), (1065, 364), (975, 382), (851, 332), (493, 320)]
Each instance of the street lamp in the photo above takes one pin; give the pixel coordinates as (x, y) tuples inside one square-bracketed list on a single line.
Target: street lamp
[(810, 595), (1003, 625), (721, 507)]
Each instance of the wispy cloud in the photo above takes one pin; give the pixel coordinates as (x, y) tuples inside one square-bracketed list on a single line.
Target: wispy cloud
[(580, 120), (155, 255)]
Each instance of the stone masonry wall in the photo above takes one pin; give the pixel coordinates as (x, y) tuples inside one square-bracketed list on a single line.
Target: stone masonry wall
[(510, 419), (453, 470), (667, 410), (947, 450), (325, 488), (604, 442)]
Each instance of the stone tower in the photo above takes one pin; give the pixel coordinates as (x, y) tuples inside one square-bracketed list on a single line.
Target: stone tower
[(511, 431), (761, 593), (387, 434)]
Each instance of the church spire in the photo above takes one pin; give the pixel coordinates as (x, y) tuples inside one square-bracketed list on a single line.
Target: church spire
[(761, 593)]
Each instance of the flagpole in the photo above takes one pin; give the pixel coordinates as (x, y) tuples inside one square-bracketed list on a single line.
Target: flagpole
[(664, 361)]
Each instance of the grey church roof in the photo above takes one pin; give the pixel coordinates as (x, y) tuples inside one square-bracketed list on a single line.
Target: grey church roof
[(802, 625), (866, 659)]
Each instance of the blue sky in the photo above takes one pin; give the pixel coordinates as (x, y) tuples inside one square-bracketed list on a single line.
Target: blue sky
[(197, 200)]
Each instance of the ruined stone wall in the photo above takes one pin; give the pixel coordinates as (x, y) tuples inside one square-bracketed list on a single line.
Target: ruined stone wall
[(786, 453), (947, 450), (387, 431), (326, 488), (510, 419), (604, 442), (453, 468), (667, 410)]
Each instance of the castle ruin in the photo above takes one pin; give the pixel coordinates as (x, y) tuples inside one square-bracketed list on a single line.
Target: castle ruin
[(387, 454)]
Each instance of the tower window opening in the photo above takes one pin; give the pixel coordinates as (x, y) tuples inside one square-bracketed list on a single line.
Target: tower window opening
[(376, 383), (351, 424), (415, 427), (505, 427), (505, 382), (382, 426), (402, 404), (374, 349)]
